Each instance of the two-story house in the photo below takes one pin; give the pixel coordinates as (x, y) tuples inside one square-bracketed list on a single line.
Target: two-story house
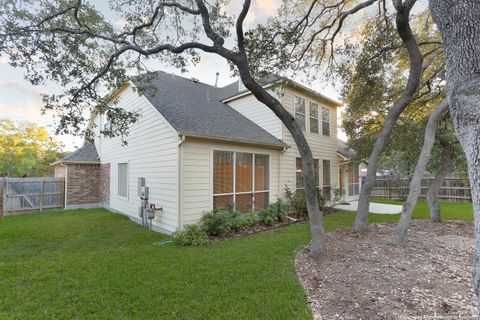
[(198, 147)]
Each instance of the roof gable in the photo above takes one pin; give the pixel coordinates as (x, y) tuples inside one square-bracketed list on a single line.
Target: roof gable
[(192, 107)]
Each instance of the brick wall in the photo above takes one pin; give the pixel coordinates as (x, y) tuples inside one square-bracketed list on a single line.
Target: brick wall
[(105, 183), (83, 184)]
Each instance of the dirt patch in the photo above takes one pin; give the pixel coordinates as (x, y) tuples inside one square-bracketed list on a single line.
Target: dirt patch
[(365, 277)]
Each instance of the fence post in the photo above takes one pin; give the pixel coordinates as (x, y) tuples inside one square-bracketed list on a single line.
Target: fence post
[(388, 188), (42, 186), (5, 196)]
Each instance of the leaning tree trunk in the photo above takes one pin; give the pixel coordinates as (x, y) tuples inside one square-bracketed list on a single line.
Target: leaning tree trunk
[(415, 74), (434, 188), (400, 237), (459, 24), (315, 215)]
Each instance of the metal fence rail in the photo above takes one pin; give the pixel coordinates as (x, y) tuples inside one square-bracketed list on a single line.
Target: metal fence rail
[(453, 189), (32, 194)]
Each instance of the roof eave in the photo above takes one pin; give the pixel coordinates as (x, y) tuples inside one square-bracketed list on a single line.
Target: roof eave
[(74, 162), (247, 92), (286, 81), (279, 146)]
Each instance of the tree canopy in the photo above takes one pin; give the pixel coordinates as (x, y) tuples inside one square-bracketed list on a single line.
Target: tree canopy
[(26, 149)]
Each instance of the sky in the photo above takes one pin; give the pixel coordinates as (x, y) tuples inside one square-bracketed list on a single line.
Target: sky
[(21, 101)]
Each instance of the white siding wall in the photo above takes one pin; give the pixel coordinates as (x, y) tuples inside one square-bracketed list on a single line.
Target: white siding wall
[(197, 175), (323, 147), (152, 152), (259, 113)]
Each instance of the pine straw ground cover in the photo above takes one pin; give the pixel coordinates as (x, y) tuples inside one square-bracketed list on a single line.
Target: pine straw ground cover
[(366, 277)]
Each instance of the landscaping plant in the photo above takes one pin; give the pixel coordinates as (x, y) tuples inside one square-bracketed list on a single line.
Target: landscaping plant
[(191, 235)]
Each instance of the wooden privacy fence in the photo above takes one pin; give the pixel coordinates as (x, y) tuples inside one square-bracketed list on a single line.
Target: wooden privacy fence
[(453, 189), (32, 194)]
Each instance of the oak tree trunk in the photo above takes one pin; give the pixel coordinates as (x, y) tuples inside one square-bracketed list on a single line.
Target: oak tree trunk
[(459, 24), (415, 74), (315, 215), (434, 188), (400, 237)]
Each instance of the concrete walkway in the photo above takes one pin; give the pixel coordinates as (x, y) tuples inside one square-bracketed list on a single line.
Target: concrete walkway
[(378, 208)]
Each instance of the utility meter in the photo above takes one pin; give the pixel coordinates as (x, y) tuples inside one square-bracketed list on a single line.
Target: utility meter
[(144, 193)]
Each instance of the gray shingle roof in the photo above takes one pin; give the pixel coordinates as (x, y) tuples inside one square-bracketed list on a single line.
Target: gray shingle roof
[(196, 108), (87, 153), (345, 150)]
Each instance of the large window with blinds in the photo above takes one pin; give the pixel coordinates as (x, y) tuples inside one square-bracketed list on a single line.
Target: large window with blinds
[(241, 180)]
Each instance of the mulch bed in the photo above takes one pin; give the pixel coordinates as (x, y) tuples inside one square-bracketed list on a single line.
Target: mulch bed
[(262, 227), (255, 229), (366, 277)]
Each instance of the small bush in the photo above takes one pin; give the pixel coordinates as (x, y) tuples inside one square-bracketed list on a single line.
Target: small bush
[(296, 204), (267, 216), (280, 209), (217, 222), (241, 222), (273, 213), (191, 235)]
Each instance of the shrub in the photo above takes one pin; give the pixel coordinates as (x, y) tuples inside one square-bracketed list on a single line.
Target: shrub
[(280, 209), (191, 235), (217, 222), (296, 204), (268, 216), (241, 222), (273, 213)]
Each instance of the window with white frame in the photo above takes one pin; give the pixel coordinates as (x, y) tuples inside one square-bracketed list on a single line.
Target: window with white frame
[(313, 117), (299, 174), (327, 183), (123, 179), (241, 180), (300, 114), (325, 121)]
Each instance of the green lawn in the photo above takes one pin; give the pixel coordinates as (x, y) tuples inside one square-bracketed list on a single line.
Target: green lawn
[(92, 264)]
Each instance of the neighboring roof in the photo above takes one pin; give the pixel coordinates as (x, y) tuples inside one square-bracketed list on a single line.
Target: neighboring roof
[(86, 154), (195, 108), (344, 150)]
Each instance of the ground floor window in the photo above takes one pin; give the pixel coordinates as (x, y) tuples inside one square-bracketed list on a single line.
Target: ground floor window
[(327, 182), (299, 174), (123, 179), (353, 179), (241, 180)]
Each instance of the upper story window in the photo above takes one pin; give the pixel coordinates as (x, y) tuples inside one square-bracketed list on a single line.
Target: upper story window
[(313, 117), (325, 121), (299, 104)]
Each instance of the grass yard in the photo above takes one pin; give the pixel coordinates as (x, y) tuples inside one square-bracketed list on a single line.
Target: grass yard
[(93, 264)]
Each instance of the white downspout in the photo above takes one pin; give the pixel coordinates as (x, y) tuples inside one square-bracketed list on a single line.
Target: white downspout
[(179, 183), (66, 185)]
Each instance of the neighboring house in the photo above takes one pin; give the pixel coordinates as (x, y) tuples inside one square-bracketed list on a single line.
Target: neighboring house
[(199, 147)]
